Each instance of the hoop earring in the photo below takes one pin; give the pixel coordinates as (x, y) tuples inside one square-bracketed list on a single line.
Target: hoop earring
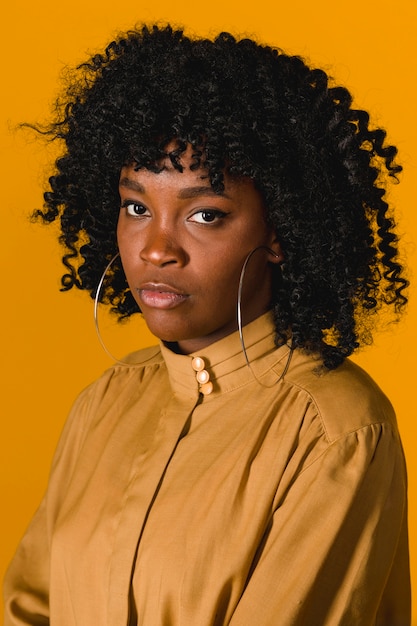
[(96, 303), (239, 317)]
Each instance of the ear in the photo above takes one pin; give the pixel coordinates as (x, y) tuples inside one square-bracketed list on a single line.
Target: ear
[(276, 256)]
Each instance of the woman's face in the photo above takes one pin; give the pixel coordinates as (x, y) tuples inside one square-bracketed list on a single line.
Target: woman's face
[(183, 247)]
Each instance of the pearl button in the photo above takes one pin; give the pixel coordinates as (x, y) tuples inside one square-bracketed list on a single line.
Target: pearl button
[(197, 364), (206, 388), (202, 376)]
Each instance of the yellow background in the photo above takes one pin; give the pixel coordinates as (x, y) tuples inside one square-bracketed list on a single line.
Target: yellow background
[(48, 348)]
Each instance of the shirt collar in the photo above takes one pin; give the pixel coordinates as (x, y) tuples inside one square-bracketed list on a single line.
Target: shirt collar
[(226, 364)]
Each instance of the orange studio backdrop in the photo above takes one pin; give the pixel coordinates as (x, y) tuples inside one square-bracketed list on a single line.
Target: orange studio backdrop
[(49, 348)]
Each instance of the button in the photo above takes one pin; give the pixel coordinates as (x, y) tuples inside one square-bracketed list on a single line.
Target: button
[(198, 364), (203, 377), (206, 388)]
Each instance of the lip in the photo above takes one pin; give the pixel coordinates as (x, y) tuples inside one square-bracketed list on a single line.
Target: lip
[(160, 295)]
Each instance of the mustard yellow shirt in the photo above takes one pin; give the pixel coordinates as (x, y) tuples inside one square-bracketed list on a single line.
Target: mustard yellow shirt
[(269, 502)]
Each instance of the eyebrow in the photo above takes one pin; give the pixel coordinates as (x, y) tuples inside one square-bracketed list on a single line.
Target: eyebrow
[(204, 190), (184, 194)]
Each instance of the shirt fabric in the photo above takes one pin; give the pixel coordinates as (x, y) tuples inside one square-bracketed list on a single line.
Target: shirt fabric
[(277, 500)]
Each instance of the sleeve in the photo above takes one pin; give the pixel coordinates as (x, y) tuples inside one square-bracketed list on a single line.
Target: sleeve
[(27, 579), (336, 553), (26, 584)]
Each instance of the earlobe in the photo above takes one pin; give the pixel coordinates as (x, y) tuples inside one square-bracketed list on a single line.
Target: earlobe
[(276, 255)]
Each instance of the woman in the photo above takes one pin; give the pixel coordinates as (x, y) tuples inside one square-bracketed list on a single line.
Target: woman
[(244, 471)]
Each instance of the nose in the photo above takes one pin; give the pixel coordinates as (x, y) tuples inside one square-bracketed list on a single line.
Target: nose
[(162, 248)]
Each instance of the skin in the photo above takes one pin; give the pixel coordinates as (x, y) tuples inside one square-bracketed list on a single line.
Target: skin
[(183, 247)]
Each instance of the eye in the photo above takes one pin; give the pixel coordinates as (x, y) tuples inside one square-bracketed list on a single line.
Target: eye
[(135, 209), (207, 216)]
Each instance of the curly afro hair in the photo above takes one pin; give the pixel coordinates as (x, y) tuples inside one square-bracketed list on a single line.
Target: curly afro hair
[(251, 111)]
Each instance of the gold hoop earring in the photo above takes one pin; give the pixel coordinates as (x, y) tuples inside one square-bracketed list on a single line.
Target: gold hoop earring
[(96, 303), (239, 317)]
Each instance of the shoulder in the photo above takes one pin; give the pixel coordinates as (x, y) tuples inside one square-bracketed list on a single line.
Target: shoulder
[(117, 388), (124, 377), (142, 358), (346, 399)]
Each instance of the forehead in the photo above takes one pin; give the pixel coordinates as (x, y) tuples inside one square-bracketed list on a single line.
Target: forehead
[(184, 178), (185, 184)]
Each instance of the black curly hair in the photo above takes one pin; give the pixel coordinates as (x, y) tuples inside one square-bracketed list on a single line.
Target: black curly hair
[(251, 111)]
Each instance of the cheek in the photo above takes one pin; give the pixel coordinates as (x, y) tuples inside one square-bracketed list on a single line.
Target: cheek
[(129, 262), (221, 267), (128, 245), (221, 272), (119, 230)]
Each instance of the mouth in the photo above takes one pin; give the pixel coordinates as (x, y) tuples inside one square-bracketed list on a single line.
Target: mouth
[(160, 296)]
